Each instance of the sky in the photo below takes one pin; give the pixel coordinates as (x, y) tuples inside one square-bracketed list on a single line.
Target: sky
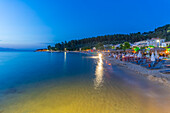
[(34, 24)]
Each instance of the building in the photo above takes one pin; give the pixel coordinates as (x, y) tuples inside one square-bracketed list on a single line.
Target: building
[(165, 44), (118, 45), (141, 43), (157, 42), (94, 48), (108, 45)]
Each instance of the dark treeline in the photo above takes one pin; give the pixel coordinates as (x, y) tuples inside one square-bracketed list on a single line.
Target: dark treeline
[(161, 32)]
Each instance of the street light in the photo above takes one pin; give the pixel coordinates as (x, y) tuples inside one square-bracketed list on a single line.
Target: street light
[(158, 41)]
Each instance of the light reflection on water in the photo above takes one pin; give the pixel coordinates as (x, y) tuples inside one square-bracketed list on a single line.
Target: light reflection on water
[(99, 73), (65, 59), (36, 84), (65, 56)]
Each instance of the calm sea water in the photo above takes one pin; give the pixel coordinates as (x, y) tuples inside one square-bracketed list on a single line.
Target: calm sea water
[(35, 82)]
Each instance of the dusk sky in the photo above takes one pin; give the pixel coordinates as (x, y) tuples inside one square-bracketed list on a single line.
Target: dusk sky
[(33, 24)]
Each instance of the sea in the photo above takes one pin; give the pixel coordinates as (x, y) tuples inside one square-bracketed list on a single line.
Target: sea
[(62, 82)]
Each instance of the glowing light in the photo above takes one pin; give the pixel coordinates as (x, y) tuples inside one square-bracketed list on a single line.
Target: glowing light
[(100, 55), (166, 51), (65, 57), (157, 40), (99, 73)]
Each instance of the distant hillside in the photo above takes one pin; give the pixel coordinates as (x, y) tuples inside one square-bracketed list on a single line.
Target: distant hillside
[(161, 32), (7, 49), (11, 49)]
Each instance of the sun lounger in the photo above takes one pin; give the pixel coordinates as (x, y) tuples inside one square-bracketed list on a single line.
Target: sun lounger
[(165, 72), (139, 61), (157, 66), (168, 66), (143, 62)]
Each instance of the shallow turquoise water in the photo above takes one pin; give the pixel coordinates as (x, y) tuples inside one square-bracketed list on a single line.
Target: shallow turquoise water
[(36, 82)]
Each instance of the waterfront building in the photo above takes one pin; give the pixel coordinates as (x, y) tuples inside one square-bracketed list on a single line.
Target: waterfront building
[(140, 43), (108, 45), (118, 45), (157, 42), (165, 44), (94, 48)]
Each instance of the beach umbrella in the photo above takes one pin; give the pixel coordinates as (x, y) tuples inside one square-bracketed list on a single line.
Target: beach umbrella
[(152, 57), (139, 54), (156, 55), (147, 55), (157, 49)]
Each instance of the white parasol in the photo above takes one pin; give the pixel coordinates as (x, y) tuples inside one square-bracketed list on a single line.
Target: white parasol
[(139, 54), (152, 57), (156, 55)]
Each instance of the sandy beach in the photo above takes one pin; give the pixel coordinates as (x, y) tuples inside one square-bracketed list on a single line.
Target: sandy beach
[(153, 75)]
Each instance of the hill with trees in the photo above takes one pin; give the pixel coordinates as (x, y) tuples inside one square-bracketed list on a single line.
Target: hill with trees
[(87, 43)]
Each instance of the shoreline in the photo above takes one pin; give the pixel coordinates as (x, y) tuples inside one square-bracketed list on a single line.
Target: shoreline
[(152, 75)]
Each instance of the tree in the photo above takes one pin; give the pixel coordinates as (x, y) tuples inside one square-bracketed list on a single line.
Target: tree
[(49, 47), (113, 47), (161, 32), (121, 46), (99, 46), (126, 45)]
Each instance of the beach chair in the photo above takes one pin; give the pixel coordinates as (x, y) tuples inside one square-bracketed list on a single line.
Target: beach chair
[(165, 71), (135, 62), (146, 63), (143, 62), (139, 61), (150, 65), (157, 66)]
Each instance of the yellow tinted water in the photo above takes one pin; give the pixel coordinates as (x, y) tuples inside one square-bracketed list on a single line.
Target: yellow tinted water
[(81, 95), (80, 98)]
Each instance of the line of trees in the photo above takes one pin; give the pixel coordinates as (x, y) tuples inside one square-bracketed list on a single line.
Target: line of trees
[(87, 43)]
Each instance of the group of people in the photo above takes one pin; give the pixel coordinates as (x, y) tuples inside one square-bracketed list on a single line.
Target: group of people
[(152, 56)]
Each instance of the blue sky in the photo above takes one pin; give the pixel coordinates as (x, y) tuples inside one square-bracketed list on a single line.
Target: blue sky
[(31, 24)]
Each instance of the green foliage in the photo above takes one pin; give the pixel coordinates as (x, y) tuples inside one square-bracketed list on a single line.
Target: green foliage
[(161, 32), (151, 46), (168, 49), (126, 45), (85, 48), (99, 46), (49, 47), (136, 49), (141, 48), (113, 47), (121, 46)]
